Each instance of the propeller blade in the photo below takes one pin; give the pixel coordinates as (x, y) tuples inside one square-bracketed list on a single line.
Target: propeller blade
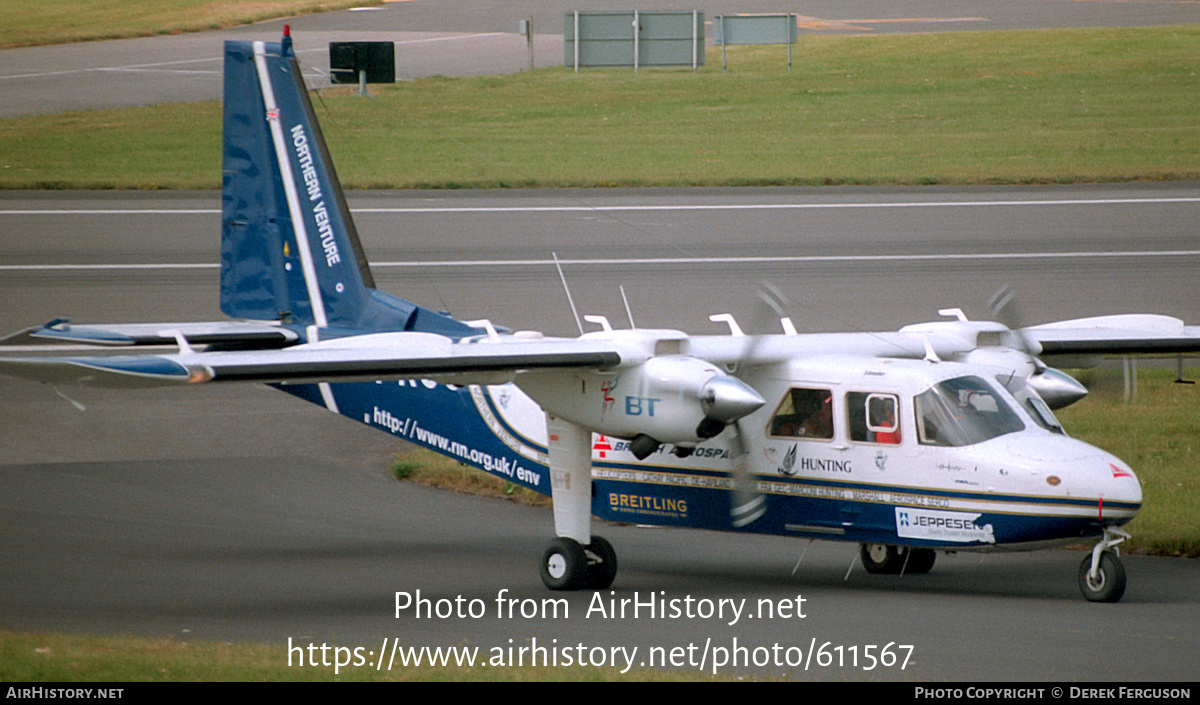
[(772, 307), (1003, 305), (1056, 388), (748, 504)]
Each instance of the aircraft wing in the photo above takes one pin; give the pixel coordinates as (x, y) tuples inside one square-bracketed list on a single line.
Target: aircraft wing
[(241, 333), (1135, 334), (387, 356)]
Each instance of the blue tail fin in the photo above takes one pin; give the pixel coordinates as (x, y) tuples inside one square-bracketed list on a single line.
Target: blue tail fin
[(289, 250), (288, 244)]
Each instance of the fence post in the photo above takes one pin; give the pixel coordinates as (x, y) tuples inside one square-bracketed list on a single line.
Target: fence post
[(637, 42)]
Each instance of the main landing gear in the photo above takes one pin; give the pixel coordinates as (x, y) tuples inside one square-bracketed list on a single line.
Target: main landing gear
[(566, 565), (576, 559), (882, 559), (1101, 575)]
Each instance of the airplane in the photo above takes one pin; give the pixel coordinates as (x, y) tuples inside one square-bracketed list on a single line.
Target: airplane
[(937, 437)]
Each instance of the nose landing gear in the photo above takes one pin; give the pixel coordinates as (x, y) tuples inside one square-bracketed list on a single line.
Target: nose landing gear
[(1101, 575)]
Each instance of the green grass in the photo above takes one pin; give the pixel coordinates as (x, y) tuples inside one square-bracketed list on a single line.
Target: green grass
[(35, 22), (428, 468), (955, 108)]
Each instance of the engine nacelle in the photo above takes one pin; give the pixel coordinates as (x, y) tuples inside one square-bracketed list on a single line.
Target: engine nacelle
[(669, 399), (1056, 388)]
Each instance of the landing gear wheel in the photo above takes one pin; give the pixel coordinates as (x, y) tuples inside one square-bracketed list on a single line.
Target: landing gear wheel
[(564, 565), (920, 561), (881, 559), (602, 563), (1109, 583)]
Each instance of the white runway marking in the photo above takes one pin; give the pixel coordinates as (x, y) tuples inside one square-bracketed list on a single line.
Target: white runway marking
[(584, 208), (159, 66), (783, 259)]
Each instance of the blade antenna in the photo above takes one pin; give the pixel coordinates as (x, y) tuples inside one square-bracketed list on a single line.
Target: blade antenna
[(629, 312), (566, 288)]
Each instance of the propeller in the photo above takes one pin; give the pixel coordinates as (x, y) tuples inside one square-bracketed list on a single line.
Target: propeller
[(1058, 389), (748, 504)]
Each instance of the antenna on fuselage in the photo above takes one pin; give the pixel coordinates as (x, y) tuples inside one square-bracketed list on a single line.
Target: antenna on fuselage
[(570, 300), (628, 311)]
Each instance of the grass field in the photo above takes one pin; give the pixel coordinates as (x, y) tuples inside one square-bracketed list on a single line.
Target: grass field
[(996, 107), (37, 22)]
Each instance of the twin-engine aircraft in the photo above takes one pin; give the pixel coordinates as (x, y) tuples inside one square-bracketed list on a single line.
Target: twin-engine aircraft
[(938, 437)]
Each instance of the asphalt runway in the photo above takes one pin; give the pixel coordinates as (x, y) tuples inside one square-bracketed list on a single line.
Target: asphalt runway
[(849, 259), (234, 513), (451, 38)]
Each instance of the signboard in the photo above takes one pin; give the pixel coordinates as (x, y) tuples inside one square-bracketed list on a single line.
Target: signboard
[(635, 38), (755, 29), (348, 59)]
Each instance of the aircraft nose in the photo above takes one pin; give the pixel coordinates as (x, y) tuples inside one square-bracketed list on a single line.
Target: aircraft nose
[(1124, 483), (1120, 492), (1087, 471)]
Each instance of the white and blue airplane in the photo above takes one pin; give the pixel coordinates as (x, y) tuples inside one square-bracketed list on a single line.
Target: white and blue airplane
[(936, 437)]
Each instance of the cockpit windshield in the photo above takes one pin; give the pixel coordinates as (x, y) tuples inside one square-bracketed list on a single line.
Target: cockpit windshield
[(962, 412)]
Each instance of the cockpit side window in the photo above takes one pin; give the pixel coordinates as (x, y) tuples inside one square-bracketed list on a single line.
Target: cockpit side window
[(962, 412), (1033, 404), (804, 413), (874, 418)]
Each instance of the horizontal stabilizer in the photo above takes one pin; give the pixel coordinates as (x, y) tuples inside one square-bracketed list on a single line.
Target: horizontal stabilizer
[(240, 333), (126, 372)]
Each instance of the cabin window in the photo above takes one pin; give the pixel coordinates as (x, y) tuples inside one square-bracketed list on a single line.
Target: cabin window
[(804, 413), (874, 418), (963, 412)]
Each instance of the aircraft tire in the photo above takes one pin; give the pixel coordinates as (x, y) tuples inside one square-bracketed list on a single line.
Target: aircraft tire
[(881, 559), (920, 561), (564, 565), (603, 569), (1109, 585)]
